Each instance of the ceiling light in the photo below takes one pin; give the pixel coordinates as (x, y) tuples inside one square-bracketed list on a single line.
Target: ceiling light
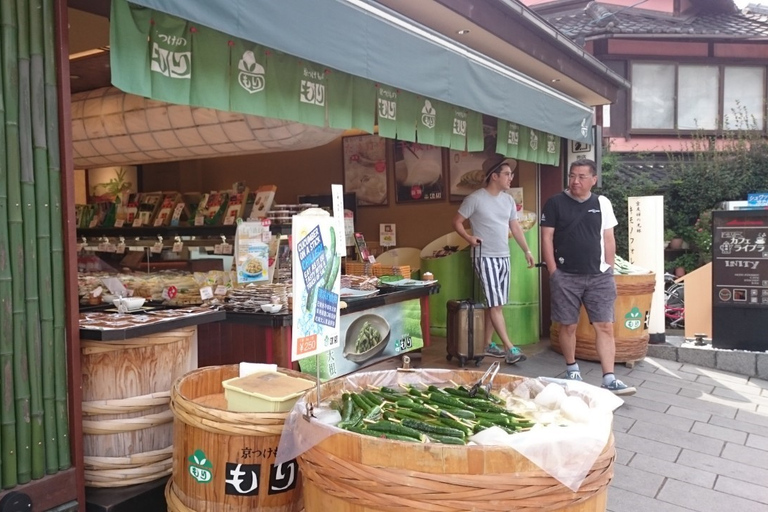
[(554, 80), (463, 31)]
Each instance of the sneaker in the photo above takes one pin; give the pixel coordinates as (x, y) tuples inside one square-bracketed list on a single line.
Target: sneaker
[(493, 350), (619, 388), (573, 375), (514, 356)]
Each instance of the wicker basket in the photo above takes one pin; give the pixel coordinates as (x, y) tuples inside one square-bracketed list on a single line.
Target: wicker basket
[(402, 270), (360, 268), (221, 440), (347, 472), (634, 293)]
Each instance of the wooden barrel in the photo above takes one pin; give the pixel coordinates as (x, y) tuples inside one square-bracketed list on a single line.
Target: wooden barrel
[(630, 329), (127, 425), (347, 472), (224, 461)]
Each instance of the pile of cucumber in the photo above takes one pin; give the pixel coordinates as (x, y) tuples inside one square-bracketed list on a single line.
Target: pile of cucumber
[(440, 415)]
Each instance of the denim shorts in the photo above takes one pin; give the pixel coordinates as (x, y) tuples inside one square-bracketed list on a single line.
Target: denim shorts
[(597, 292)]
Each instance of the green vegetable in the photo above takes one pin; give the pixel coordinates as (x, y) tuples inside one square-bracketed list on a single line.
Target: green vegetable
[(396, 428), (434, 429), (368, 338), (446, 439)]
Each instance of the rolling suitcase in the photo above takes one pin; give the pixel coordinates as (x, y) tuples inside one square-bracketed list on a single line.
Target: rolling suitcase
[(465, 327)]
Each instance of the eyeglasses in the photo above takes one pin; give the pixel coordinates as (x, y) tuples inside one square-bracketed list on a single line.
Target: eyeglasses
[(580, 177), (506, 173)]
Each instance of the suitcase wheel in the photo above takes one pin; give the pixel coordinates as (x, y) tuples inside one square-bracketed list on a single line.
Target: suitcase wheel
[(462, 361), (448, 357), (478, 360)]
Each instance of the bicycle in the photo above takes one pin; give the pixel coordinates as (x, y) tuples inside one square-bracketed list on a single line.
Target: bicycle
[(674, 302)]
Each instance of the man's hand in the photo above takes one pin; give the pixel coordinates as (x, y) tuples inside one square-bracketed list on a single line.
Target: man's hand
[(474, 241), (529, 259)]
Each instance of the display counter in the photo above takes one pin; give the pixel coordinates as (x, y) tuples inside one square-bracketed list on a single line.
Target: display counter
[(104, 326), (266, 337)]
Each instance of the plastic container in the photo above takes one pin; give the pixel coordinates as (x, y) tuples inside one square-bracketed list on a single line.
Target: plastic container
[(264, 392)]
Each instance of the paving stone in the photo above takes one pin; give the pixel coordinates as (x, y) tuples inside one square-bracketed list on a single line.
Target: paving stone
[(623, 457), (717, 400), (687, 413), (672, 380), (757, 441), (663, 352), (660, 363), (744, 363), (762, 383), (620, 500), (660, 419), (746, 490), (622, 423), (722, 466), (704, 500), (721, 375), (637, 444), (689, 402), (644, 403), (679, 438), (660, 386), (751, 417), (724, 434), (746, 390), (696, 356), (741, 426), (636, 480), (745, 454), (672, 470), (739, 396)]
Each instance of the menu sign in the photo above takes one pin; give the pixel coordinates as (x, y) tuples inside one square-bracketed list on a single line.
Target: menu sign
[(740, 258)]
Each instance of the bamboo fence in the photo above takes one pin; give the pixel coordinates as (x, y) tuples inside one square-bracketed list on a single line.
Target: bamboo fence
[(34, 436)]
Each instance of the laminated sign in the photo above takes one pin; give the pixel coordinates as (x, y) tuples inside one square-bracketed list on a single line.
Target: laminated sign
[(316, 282)]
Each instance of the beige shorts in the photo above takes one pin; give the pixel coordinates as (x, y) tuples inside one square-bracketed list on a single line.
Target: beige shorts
[(597, 292)]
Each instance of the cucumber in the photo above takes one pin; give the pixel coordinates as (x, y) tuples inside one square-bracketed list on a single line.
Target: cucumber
[(447, 422), (361, 403), (442, 399), (311, 298), (446, 439), (373, 414), (459, 413), (403, 414), (433, 429), (335, 265), (347, 408), (330, 260), (390, 391), (390, 427), (368, 395)]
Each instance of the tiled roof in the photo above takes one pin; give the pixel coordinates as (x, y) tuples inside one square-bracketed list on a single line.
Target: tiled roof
[(643, 22)]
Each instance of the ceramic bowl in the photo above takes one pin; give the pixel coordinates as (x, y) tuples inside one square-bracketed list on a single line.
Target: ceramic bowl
[(132, 303), (271, 308)]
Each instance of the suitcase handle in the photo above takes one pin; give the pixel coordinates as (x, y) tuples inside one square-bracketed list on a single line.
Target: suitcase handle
[(479, 249)]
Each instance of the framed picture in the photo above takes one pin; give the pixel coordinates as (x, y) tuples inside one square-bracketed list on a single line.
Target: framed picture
[(106, 183), (465, 172), (365, 169), (419, 172)]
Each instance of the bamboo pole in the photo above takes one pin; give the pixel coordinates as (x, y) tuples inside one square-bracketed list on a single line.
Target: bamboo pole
[(16, 235), (57, 244), (34, 341), (7, 414), (42, 202)]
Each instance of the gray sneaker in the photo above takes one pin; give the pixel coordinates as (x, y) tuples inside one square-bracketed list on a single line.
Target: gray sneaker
[(619, 388), (573, 375), (493, 350), (514, 356)]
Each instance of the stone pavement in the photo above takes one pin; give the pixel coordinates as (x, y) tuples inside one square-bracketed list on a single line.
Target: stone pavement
[(692, 438)]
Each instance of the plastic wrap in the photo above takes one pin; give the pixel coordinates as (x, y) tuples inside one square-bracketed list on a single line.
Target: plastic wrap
[(565, 449)]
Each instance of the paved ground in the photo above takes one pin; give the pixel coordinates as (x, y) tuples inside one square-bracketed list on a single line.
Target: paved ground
[(692, 438)]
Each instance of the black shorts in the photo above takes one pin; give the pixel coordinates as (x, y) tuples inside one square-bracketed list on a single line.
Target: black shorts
[(597, 292)]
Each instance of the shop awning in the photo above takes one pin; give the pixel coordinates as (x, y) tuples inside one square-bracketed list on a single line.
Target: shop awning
[(364, 39)]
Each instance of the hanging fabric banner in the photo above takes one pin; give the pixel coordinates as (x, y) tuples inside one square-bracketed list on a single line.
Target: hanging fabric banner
[(475, 135), (444, 126), (552, 150), (248, 78), (427, 126), (349, 102), (386, 110), (459, 129), (408, 113)]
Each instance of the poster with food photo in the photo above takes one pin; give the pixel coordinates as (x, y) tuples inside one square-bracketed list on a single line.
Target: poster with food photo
[(465, 172), (365, 168), (418, 172)]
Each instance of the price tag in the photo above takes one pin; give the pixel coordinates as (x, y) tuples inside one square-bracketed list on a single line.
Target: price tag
[(109, 247), (199, 220), (170, 292), (158, 221), (221, 290), (372, 258), (226, 248), (137, 222), (119, 223), (229, 220), (120, 248), (217, 249), (102, 247), (206, 293), (157, 248), (178, 246)]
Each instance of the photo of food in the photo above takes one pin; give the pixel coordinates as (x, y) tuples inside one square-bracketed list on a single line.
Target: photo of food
[(365, 168), (418, 172), (465, 172), (253, 267), (367, 337)]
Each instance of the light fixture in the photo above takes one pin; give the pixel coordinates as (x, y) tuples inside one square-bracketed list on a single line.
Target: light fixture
[(463, 31), (554, 80)]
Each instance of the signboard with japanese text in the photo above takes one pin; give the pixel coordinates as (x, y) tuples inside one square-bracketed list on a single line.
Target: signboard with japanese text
[(645, 216), (370, 336), (316, 271), (740, 259)]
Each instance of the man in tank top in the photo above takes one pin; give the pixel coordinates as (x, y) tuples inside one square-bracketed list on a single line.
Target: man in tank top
[(579, 250), (492, 214)]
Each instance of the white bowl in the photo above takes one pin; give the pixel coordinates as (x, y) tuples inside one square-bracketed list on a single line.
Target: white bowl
[(131, 303), (271, 308)]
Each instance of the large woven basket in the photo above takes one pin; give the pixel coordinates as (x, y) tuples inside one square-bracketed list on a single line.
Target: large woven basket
[(634, 294), (211, 442), (348, 472)]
